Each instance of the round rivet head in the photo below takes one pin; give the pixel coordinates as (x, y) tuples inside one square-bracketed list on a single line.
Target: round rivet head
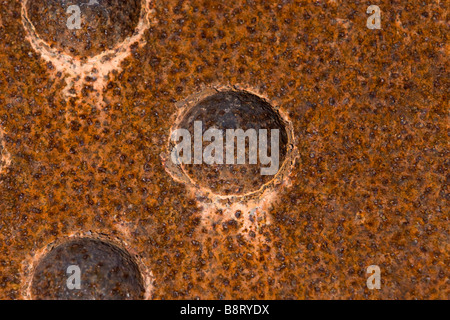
[(238, 143), (87, 269), (83, 28)]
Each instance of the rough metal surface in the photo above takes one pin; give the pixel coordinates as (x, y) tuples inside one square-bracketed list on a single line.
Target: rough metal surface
[(369, 111)]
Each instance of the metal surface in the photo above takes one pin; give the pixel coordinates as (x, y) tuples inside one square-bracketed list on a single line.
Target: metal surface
[(369, 112)]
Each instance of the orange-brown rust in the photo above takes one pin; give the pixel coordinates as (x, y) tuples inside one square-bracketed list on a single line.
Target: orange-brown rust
[(369, 110)]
